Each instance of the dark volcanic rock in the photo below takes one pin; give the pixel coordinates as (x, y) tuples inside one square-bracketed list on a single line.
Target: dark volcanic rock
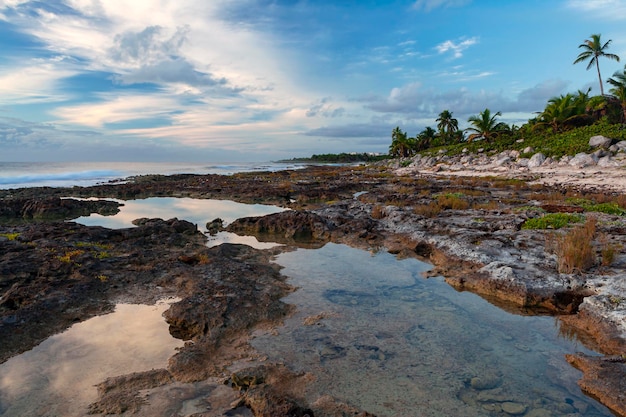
[(55, 274), (54, 208), (291, 226), (236, 291)]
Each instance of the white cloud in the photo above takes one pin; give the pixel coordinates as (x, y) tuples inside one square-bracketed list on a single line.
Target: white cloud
[(428, 5), (35, 82), (457, 48), (415, 102), (201, 64), (117, 109), (609, 9)]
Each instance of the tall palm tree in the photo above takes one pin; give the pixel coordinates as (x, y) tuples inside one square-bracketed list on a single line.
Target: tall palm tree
[(447, 125), (486, 126), (593, 49), (618, 81)]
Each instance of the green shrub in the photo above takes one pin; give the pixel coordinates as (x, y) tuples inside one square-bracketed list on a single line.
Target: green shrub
[(552, 221), (588, 205)]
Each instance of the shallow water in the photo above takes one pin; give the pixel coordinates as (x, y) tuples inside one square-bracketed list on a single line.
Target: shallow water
[(193, 210), (58, 377), (389, 341), (394, 343)]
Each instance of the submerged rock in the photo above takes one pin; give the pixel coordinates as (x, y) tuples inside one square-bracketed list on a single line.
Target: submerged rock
[(512, 408), (485, 382)]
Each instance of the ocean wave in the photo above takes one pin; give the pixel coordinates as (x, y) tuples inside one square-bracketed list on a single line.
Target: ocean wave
[(61, 177)]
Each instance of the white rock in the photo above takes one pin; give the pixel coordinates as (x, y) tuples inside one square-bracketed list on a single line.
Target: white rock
[(536, 160), (607, 161), (528, 149), (600, 141), (582, 160), (501, 161)]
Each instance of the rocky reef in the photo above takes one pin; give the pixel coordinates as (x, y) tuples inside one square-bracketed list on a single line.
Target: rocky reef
[(471, 228)]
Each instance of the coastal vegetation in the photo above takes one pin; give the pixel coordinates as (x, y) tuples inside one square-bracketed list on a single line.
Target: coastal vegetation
[(342, 158), (563, 127), (552, 221)]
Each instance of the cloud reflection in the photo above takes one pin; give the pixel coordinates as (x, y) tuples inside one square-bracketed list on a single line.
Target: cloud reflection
[(193, 210), (61, 373)]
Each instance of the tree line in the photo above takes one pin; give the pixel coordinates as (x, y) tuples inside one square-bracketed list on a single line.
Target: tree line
[(561, 113)]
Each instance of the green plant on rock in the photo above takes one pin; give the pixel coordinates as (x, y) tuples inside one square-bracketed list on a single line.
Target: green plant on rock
[(70, 255), (588, 205), (552, 221), (10, 236)]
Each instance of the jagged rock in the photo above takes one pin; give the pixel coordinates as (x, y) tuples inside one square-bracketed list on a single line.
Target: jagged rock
[(582, 160), (621, 145), (54, 208), (600, 141), (536, 160), (298, 225)]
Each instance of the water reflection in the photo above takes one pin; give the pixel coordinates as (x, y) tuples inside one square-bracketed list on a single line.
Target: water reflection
[(58, 376), (378, 335), (193, 210)]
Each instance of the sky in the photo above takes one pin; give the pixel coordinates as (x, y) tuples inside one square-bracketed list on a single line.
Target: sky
[(260, 80)]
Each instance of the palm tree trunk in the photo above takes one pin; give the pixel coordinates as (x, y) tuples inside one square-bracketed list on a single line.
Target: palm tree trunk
[(599, 78)]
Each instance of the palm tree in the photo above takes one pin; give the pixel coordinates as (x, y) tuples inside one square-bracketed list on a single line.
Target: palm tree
[(618, 81), (593, 49), (486, 126), (401, 145), (447, 125), (425, 138), (563, 111)]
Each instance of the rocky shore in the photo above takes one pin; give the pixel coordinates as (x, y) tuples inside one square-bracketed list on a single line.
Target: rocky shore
[(465, 215)]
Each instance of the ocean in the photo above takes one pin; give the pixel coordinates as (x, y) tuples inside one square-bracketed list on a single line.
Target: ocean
[(69, 174)]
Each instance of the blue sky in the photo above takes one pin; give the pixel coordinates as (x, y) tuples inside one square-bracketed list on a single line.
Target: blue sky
[(255, 80)]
